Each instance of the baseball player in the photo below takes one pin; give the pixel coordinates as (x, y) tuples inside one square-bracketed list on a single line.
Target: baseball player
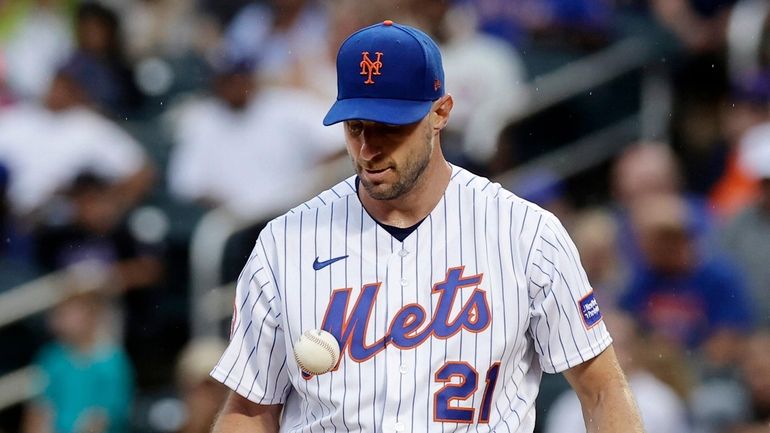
[(448, 296)]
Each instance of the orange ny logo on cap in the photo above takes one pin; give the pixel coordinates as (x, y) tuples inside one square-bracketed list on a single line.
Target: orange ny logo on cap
[(369, 67)]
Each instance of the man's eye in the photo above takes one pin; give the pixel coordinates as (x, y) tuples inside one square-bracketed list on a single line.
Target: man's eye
[(355, 128)]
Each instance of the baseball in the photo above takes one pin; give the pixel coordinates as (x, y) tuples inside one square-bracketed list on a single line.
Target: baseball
[(316, 351)]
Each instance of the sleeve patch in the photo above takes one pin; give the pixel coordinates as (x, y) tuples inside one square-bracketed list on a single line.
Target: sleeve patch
[(589, 310)]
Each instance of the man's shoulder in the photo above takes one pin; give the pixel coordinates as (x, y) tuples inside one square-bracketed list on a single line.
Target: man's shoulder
[(324, 200), (464, 180), (470, 183)]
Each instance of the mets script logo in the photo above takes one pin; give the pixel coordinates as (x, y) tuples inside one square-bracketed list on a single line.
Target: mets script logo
[(369, 67), (410, 326)]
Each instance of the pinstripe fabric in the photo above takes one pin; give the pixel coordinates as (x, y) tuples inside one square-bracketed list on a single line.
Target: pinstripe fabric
[(531, 282)]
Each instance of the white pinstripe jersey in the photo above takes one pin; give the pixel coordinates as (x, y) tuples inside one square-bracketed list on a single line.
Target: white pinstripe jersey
[(447, 331)]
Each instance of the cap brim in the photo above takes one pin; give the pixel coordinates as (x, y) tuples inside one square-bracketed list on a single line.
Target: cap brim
[(390, 111)]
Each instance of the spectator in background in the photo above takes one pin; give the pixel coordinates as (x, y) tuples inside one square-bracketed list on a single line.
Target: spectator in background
[(167, 28), (583, 23), (650, 169), (595, 233), (202, 395), (475, 65), (35, 39), (98, 62), (96, 231), (86, 382), (747, 235), (734, 188), (691, 300), (699, 74), (283, 38), (234, 148), (46, 147), (699, 24), (662, 410)]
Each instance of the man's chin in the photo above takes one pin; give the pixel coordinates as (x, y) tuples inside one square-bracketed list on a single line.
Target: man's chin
[(380, 191)]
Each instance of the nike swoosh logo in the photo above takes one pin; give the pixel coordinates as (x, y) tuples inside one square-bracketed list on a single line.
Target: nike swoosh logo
[(320, 265)]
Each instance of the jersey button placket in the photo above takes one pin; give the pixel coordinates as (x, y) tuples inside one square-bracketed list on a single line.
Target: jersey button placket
[(393, 290)]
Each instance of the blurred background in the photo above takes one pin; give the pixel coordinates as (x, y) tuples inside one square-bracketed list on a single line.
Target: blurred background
[(144, 143)]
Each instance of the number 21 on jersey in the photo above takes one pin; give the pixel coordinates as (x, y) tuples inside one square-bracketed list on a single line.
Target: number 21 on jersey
[(444, 410)]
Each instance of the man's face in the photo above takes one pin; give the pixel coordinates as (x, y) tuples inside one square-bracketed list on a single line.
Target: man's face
[(64, 93), (668, 250), (389, 159), (236, 89)]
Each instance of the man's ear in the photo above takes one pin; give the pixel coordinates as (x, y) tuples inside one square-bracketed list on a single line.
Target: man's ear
[(441, 109)]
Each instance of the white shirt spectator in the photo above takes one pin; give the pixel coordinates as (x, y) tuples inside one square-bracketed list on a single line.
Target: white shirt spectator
[(35, 49), (46, 150), (488, 76), (255, 161), (661, 409), (167, 28), (278, 53)]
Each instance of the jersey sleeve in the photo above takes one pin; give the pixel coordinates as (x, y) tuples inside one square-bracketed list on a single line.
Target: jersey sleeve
[(565, 321), (254, 363)]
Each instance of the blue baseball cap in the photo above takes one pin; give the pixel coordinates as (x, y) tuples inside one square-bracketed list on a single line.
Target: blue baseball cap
[(387, 73)]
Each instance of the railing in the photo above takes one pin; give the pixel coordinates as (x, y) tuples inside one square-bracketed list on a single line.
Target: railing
[(207, 249), (590, 72), (17, 387)]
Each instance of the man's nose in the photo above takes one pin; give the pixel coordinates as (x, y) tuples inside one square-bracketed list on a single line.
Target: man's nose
[(371, 144)]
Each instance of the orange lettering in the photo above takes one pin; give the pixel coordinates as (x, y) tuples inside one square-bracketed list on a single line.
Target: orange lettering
[(369, 67)]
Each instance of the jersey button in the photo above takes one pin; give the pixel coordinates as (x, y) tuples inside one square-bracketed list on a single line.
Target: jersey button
[(403, 253), (399, 426), (404, 282), (403, 369)]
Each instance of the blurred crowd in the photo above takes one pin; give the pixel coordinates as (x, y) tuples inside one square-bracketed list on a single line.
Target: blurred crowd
[(123, 121)]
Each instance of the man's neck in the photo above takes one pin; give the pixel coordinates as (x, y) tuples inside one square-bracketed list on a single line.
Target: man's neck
[(416, 204)]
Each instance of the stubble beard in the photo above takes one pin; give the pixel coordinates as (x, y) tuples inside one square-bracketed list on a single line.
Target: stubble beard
[(408, 175)]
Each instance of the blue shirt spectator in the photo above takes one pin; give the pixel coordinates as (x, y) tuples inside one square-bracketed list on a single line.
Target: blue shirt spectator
[(679, 293), (513, 20), (689, 307), (82, 387), (86, 381)]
